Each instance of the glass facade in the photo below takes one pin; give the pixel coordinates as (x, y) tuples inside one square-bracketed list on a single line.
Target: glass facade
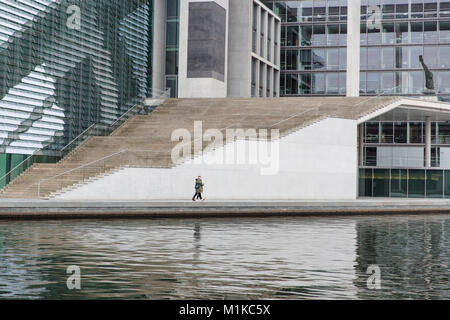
[(398, 144), (314, 37), (67, 64), (404, 183), (172, 45)]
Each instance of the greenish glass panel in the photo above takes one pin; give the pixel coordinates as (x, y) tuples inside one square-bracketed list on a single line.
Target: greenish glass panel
[(447, 183), (365, 182), (4, 166), (435, 184), (416, 184), (17, 159), (381, 178), (399, 183)]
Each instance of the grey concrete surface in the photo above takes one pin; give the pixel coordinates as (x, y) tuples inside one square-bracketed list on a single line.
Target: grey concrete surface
[(34, 209)]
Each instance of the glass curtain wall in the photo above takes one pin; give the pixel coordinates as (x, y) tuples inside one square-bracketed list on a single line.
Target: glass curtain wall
[(315, 31), (172, 46), (404, 183), (65, 65)]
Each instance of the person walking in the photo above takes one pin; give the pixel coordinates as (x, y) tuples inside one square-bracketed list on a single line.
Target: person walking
[(198, 189)]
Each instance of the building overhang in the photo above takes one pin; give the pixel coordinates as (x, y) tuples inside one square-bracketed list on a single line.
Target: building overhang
[(410, 109)]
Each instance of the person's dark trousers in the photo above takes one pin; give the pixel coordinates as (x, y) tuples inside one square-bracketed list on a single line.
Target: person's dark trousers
[(197, 195)]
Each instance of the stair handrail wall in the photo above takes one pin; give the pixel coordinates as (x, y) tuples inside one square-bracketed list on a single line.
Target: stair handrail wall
[(102, 161), (155, 94)]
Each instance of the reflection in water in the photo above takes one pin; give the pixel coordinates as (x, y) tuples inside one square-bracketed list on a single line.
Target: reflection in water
[(413, 255), (226, 258)]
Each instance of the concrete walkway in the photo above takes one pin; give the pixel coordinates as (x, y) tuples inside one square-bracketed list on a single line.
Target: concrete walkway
[(45, 209)]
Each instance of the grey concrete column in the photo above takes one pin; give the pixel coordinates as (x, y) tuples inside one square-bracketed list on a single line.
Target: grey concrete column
[(353, 47), (258, 31), (159, 44), (361, 144), (257, 77), (428, 142)]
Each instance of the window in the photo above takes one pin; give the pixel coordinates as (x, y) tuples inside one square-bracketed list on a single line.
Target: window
[(399, 183), (365, 182), (400, 132), (291, 84), (415, 132), (387, 132), (333, 34), (372, 82), (332, 86), (416, 183), (416, 32), (342, 58), (370, 157), (373, 58), (318, 83), (319, 36), (173, 8), (305, 83), (172, 62), (444, 31), (363, 58), (319, 11), (430, 32), (372, 132), (387, 58), (319, 60), (171, 83), (306, 59), (332, 59), (444, 81), (381, 182), (402, 32), (416, 84), (444, 8), (388, 35), (443, 133), (293, 36), (387, 83)]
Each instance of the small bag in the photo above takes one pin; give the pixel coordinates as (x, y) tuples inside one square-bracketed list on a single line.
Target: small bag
[(197, 185)]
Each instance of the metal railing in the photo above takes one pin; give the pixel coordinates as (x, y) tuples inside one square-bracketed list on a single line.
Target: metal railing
[(399, 162), (96, 129)]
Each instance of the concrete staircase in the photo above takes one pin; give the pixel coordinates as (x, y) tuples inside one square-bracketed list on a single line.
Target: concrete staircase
[(145, 140)]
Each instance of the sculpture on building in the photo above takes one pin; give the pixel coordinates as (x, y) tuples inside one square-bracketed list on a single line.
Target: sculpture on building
[(429, 84)]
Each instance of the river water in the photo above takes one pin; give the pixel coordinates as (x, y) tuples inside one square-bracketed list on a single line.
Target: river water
[(254, 258)]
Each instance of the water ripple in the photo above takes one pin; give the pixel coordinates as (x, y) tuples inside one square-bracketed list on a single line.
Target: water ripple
[(279, 258)]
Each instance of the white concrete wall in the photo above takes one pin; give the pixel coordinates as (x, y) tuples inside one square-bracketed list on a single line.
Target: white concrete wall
[(198, 87), (317, 162)]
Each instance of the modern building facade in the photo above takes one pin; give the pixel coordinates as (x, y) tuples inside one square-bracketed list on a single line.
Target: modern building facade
[(220, 48), (65, 65), (393, 35)]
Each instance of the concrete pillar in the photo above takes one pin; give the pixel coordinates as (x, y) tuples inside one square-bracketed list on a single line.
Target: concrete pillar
[(361, 144), (353, 47), (428, 142), (159, 45), (203, 41), (258, 31)]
